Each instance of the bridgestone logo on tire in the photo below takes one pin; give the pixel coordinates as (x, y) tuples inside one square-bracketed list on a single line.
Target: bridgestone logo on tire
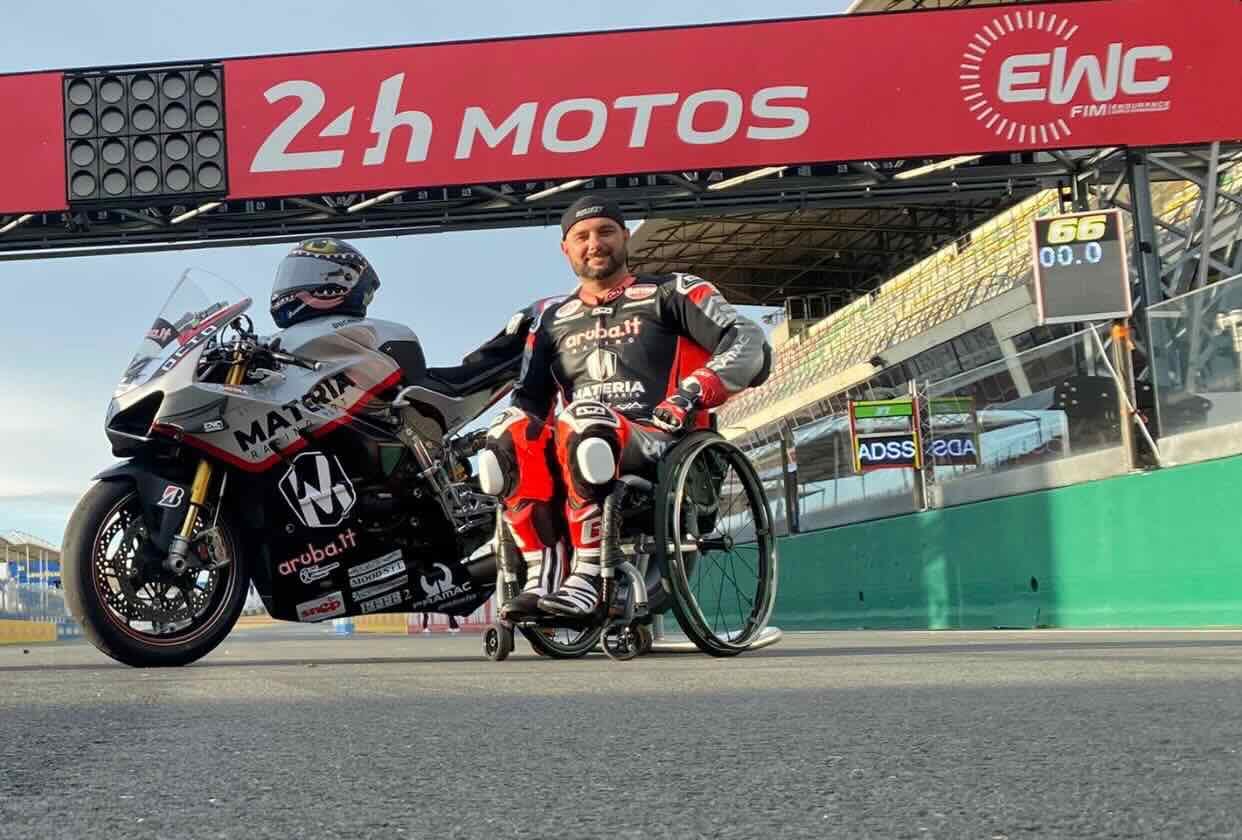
[(317, 490)]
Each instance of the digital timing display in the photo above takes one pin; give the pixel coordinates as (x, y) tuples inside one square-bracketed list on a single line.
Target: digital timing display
[(1080, 267)]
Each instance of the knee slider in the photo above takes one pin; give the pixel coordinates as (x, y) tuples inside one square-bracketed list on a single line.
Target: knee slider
[(491, 474), (595, 461)]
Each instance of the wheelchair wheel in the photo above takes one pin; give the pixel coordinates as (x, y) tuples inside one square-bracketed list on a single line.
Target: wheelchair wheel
[(562, 642), (498, 643), (719, 548)]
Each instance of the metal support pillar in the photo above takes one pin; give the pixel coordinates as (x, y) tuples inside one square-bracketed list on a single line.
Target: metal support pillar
[(1081, 196), (1124, 365), (924, 477), (1009, 352), (1208, 215), (1147, 252), (789, 477)]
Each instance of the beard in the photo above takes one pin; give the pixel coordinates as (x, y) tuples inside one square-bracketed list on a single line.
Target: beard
[(615, 260)]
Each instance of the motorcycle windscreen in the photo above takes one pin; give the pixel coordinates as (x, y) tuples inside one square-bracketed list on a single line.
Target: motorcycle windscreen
[(200, 305)]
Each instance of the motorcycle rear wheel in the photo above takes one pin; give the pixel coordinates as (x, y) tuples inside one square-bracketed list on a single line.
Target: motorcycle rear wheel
[(107, 574)]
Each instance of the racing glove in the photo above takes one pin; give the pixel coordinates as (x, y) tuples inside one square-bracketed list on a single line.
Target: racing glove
[(671, 414), (701, 389)]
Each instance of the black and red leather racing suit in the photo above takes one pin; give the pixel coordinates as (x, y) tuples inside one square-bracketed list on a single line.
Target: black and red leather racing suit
[(611, 361)]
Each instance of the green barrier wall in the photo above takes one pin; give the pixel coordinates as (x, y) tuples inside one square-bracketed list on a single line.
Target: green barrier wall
[(1160, 549)]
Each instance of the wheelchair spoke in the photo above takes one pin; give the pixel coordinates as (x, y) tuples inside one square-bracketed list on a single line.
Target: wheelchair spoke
[(745, 617), (749, 567), (737, 595), (736, 588)]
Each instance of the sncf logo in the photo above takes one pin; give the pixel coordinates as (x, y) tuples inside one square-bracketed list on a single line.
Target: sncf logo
[(1024, 78), (317, 490), (328, 606)]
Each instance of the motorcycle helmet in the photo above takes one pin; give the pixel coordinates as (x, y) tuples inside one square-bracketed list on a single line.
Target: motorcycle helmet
[(322, 277)]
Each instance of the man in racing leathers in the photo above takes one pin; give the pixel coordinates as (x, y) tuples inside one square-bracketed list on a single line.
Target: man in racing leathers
[(637, 361)]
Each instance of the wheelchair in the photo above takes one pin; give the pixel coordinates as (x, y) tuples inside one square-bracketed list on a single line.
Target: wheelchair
[(697, 541)]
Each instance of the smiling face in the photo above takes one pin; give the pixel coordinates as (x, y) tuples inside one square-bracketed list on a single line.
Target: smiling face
[(596, 249)]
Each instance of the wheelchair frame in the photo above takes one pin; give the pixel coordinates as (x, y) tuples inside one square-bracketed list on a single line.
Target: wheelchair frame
[(623, 625)]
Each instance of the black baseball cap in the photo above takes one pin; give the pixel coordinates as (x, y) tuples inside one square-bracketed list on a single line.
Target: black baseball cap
[(590, 207)]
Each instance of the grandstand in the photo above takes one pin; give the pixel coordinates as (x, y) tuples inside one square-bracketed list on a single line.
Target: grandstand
[(28, 559), (981, 278), (30, 577), (836, 352)]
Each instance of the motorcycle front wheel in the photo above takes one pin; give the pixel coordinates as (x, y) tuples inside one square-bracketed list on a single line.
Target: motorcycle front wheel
[(130, 607)]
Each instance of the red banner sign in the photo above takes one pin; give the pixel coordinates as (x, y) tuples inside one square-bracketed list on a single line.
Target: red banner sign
[(32, 148), (1123, 72), (963, 81)]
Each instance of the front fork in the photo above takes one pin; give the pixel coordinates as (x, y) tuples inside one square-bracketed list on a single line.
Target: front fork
[(177, 561)]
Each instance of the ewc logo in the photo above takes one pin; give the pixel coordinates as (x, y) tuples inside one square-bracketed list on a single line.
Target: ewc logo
[(1021, 76)]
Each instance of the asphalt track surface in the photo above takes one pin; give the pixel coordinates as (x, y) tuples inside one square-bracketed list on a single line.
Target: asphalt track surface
[(295, 733)]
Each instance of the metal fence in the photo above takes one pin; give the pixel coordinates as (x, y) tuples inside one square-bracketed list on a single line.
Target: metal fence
[(31, 602)]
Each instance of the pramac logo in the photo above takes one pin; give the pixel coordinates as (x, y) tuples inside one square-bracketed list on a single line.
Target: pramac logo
[(1022, 76)]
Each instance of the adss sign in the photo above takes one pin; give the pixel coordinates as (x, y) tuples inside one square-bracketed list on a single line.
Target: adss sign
[(883, 451)]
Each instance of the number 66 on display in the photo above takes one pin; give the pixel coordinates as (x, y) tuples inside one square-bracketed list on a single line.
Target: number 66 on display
[(1078, 229)]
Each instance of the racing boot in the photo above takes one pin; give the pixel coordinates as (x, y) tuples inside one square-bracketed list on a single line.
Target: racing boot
[(541, 567), (579, 595)]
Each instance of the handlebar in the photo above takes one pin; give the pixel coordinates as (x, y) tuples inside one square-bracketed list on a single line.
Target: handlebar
[(261, 353), (295, 360), (272, 348)]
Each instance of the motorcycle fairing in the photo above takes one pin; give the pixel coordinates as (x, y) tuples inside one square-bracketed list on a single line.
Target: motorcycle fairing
[(348, 569), (328, 532), (162, 492), (255, 426)]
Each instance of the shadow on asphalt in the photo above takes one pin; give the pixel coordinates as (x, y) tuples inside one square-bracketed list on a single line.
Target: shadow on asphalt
[(108, 665), (996, 647), (774, 652)]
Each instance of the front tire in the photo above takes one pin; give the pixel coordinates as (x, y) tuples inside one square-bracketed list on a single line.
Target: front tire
[(112, 583)]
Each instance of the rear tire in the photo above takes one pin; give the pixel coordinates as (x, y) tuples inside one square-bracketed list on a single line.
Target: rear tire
[(88, 586)]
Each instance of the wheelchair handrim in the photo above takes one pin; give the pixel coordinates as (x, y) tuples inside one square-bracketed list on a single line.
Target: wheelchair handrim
[(732, 640)]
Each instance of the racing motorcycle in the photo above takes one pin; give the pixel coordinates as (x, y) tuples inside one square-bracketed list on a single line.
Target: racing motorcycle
[(326, 464)]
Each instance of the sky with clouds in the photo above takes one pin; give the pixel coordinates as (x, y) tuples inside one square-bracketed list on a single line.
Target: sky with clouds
[(68, 326)]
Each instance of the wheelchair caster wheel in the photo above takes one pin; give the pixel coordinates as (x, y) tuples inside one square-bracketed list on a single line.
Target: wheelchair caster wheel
[(497, 643), (622, 643), (646, 638)]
